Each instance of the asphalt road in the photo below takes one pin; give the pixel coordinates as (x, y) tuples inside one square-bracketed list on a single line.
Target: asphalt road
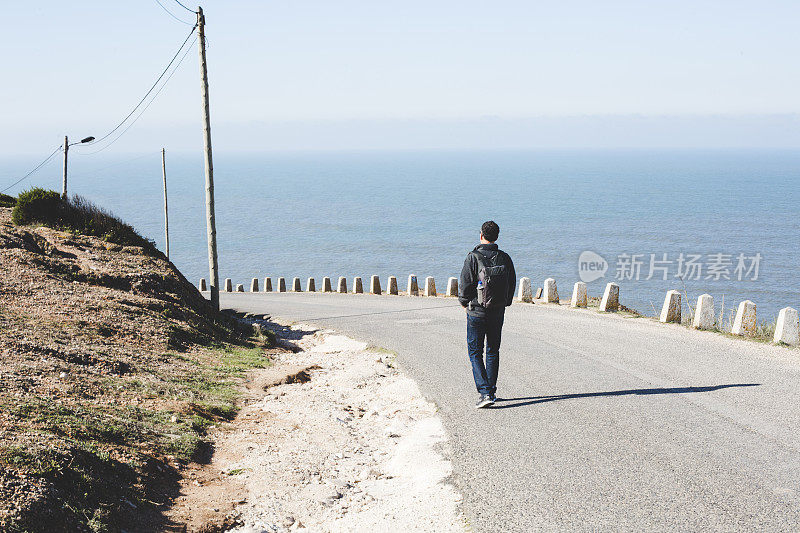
[(604, 422)]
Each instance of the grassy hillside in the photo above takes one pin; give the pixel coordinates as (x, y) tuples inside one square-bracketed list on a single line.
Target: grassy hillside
[(112, 367)]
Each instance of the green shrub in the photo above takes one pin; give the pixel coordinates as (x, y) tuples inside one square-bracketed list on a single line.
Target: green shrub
[(39, 206), (7, 201), (86, 218)]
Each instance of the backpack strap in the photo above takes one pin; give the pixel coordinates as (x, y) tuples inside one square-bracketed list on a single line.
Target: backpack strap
[(481, 259)]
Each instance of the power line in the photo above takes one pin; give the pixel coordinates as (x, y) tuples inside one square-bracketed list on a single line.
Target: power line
[(171, 14), (186, 8), (40, 165), (149, 103), (138, 105), (118, 126)]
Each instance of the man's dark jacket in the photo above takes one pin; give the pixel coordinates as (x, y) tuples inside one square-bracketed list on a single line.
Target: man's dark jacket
[(468, 282)]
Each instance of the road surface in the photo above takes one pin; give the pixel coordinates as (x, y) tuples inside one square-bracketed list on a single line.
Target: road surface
[(602, 423)]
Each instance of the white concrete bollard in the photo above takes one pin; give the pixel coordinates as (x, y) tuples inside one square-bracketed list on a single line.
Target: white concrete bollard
[(342, 286), (375, 285), (538, 293), (525, 294), (358, 287), (311, 285), (254, 285), (745, 321), (228, 285), (430, 286), (579, 296), (296, 287), (704, 312), (267, 284), (202, 285), (413, 286), (787, 329), (239, 288), (671, 310), (452, 287), (550, 291), (391, 286), (281, 284), (326, 284), (610, 300)]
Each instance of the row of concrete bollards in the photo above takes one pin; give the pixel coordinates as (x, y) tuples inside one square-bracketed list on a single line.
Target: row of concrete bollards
[(580, 298), (341, 287), (549, 294), (787, 328)]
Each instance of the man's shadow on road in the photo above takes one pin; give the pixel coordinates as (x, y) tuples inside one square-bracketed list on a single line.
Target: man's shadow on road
[(530, 400)]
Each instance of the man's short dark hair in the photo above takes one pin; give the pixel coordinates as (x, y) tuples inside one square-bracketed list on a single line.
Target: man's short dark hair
[(490, 230)]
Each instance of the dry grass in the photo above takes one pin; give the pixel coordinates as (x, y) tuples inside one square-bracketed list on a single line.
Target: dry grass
[(723, 323)]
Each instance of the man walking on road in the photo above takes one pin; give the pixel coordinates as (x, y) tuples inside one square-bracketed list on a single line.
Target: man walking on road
[(485, 289)]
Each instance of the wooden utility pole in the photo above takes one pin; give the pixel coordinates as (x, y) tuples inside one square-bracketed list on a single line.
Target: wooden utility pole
[(166, 208), (64, 184), (211, 224)]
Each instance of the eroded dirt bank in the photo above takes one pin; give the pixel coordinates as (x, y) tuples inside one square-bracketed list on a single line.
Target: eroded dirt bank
[(346, 443)]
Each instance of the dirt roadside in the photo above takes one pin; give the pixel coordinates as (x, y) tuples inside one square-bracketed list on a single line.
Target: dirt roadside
[(332, 437)]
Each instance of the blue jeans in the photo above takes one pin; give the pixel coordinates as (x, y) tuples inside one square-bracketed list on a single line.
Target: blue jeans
[(489, 328)]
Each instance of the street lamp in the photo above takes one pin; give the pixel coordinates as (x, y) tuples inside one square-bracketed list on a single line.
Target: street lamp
[(66, 150)]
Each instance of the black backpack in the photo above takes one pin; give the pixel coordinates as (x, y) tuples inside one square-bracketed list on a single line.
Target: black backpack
[(494, 293)]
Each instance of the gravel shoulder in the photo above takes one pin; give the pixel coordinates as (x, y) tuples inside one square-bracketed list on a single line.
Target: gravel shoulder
[(332, 438)]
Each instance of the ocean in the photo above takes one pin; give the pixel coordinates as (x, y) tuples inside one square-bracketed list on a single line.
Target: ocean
[(725, 222)]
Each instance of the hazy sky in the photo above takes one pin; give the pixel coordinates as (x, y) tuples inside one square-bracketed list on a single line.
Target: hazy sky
[(358, 74)]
